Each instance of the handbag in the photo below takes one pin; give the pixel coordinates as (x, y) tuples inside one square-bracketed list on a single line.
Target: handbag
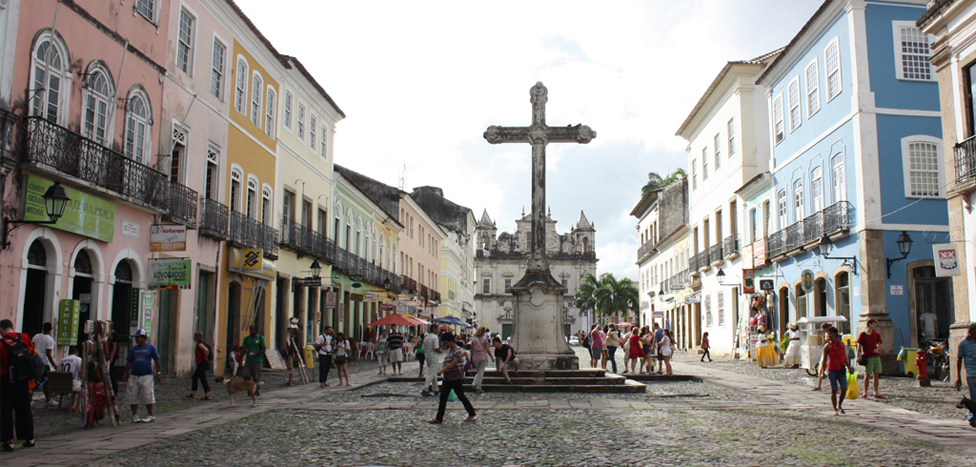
[(340, 360), (862, 360)]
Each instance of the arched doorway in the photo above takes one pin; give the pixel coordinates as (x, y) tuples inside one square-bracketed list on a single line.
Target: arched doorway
[(35, 291), (123, 302), (81, 287), (784, 309), (932, 303), (820, 297)]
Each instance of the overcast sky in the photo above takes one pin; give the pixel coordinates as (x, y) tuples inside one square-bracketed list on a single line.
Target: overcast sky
[(420, 82)]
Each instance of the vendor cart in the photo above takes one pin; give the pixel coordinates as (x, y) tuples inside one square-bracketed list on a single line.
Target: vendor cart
[(812, 340)]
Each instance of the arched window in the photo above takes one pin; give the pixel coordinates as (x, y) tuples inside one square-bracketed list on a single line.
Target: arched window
[(236, 179), (251, 210), (382, 256), (240, 86), (83, 265), (123, 272), (138, 128), (37, 255), (256, 100), (266, 210), (359, 237), (98, 96), (348, 233), (50, 77), (270, 109)]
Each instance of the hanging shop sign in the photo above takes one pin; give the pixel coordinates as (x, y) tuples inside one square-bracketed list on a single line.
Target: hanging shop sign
[(370, 296), (386, 307), (766, 284), (748, 281), (167, 238), (747, 259), (259, 267), (69, 312), (401, 306), (252, 259), (759, 252), (330, 299), (146, 301), (84, 214), (946, 259), (806, 280), (696, 298), (356, 278), (169, 273)]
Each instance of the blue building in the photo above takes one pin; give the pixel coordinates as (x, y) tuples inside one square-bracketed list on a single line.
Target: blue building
[(857, 165)]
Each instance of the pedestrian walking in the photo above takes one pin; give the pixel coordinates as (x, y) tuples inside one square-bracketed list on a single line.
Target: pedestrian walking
[(44, 345), (324, 347), (139, 388), (822, 366), (15, 396), (835, 354), (596, 345), (611, 344), (658, 334), (381, 355), (255, 346), (480, 355), (419, 354), (201, 352), (342, 350), (792, 357), (432, 350), (603, 350), (453, 372), (705, 345), (666, 344), (869, 352), (636, 352), (394, 349), (505, 358), (967, 353), (649, 347)]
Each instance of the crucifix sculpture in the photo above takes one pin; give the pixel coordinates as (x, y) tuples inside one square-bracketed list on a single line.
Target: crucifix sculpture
[(539, 135)]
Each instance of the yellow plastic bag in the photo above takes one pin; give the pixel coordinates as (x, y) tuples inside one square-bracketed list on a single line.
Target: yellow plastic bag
[(853, 390)]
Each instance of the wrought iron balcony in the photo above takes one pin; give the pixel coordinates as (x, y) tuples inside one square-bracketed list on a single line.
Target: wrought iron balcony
[(183, 205), (408, 284), (838, 217), (214, 219), (297, 237), (645, 249), (250, 233), (715, 253), (434, 295), (966, 160), (813, 227), (730, 245), (54, 147), (794, 235), (776, 243), (703, 260), (424, 292), (693, 263)]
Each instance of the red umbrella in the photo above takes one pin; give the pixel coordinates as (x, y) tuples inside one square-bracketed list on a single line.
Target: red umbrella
[(395, 319), (624, 323), (446, 329)]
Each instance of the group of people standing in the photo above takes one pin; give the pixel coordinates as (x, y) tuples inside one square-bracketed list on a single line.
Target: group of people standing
[(642, 348)]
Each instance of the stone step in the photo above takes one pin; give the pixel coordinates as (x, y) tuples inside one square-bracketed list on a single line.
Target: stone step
[(608, 380), (588, 373), (628, 386), (663, 378)]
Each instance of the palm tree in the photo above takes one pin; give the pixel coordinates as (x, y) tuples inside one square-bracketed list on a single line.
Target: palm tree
[(607, 295), (656, 182)]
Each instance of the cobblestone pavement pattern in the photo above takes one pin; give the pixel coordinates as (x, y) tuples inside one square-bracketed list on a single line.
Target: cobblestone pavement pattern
[(743, 421)]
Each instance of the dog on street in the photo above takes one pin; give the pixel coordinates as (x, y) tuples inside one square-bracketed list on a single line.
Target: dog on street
[(238, 386)]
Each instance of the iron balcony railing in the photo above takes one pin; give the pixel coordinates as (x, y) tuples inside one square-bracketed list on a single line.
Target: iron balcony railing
[(838, 217), (813, 227), (423, 291), (250, 233), (183, 205), (693, 263), (715, 253), (730, 245), (794, 235), (68, 153), (703, 260), (776, 243), (350, 263), (214, 219), (966, 160), (645, 249), (297, 237)]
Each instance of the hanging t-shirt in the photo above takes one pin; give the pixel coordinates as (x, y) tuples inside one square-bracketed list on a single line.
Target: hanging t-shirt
[(141, 358)]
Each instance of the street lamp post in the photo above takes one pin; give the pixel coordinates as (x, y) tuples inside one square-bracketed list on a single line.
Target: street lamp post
[(55, 200), (904, 247), (826, 245)]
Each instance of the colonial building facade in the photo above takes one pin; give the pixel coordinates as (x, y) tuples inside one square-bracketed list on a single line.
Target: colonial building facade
[(500, 261)]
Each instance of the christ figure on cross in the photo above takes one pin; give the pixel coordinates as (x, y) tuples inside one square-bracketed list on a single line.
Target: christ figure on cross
[(539, 135)]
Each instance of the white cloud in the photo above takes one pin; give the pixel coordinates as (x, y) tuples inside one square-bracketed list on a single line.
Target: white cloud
[(421, 80)]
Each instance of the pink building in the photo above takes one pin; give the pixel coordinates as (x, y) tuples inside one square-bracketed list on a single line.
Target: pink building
[(88, 88)]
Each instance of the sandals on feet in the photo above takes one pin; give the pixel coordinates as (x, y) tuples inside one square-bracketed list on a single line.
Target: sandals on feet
[(8, 447), (29, 443), (190, 396), (206, 398)]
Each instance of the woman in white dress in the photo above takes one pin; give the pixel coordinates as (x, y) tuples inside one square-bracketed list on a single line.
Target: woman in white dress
[(792, 359)]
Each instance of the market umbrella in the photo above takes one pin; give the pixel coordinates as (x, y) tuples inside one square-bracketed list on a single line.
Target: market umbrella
[(451, 321), (624, 323), (396, 319), (446, 328)]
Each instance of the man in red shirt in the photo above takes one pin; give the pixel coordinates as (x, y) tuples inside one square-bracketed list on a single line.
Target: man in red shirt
[(835, 354), (869, 346), (15, 397)]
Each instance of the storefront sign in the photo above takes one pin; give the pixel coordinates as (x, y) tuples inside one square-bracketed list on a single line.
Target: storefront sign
[(167, 238), (401, 306), (806, 280), (147, 312), (169, 273), (134, 309), (84, 214), (130, 229), (759, 253), (342, 312), (946, 259), (265, 268), (766, 284), (748, 281), (252, 259), (747, 260), (696, 298), (370, 296), (309, 281), (387, 307), (69, 312), (330, 299)]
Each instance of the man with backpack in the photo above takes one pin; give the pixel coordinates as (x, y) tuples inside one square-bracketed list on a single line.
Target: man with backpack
[(16, 355), (204, 356)]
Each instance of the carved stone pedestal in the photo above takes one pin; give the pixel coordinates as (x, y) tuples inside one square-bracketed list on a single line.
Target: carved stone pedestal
[(538, 331)]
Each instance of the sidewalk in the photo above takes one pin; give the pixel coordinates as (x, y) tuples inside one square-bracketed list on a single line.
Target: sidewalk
[(955, 434), (86, 445)]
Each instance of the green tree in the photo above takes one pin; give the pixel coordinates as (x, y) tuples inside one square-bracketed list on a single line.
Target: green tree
[(607, 296), (656, 182)]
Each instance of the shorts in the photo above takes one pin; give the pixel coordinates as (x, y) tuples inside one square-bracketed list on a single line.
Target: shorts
[(596, 353), (873, 366), (511, 363), (381, 359), (252, 371), (660, 355), (396, 355), (139, 390), (837, 377)]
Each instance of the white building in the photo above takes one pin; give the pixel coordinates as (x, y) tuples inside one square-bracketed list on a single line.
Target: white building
[(728, 145)]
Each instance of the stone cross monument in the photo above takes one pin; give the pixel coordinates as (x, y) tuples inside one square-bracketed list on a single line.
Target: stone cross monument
[(538, 330)]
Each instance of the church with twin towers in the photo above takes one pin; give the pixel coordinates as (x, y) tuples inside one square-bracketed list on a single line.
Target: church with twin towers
[(500, 261)]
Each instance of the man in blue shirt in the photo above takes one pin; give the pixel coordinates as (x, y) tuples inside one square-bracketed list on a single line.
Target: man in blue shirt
[(139, 389), (967, 352)]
